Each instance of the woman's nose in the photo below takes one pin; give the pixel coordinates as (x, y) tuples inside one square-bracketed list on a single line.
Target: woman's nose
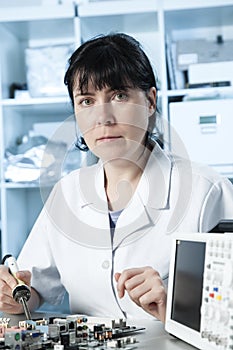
[(105, 114)]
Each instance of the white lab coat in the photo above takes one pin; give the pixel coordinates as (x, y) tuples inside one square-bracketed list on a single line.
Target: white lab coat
[(70, 246)]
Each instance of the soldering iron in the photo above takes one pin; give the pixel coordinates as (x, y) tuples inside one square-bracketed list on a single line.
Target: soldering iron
[(21, 293)]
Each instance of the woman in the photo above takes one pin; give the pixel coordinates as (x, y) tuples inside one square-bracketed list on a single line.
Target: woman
[(105, 233)]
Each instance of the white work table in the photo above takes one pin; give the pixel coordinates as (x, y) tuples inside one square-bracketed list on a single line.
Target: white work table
[(155, 337)]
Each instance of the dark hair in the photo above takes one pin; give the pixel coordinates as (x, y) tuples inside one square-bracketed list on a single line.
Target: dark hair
[(115, 60)]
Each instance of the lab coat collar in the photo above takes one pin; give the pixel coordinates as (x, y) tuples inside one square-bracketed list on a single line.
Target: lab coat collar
[(151, 198), (155, 184), (153, 190), (147, 205)]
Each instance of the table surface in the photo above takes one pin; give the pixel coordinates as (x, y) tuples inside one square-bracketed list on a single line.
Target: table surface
[(153, 337)]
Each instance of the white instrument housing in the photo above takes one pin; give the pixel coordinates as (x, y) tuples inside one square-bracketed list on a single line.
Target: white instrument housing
[(200, 290)]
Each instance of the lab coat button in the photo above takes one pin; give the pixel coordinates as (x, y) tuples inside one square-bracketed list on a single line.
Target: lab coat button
[(105, 264)]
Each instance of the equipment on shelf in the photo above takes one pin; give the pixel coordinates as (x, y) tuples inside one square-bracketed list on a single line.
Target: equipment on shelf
[(218, 73), (203, 126)]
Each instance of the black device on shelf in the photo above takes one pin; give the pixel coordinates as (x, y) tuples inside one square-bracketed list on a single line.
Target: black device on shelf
[(223, 226)]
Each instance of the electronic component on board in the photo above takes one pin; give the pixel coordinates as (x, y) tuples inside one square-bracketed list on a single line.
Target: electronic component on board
[(70, 333)]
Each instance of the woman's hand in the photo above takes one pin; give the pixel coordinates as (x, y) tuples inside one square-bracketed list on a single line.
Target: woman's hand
[(7, 284), (145, 287)]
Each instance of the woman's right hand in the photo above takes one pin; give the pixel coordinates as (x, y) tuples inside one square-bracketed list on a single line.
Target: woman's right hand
[(7, 284)]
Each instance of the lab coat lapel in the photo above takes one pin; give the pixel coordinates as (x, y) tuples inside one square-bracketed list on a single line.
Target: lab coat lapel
[(150, 200), (133, 219), (81, 215), (132, 224), (91, 183), (93, 207)]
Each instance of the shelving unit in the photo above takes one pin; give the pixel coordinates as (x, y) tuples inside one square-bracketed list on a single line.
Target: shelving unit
[(19, 29), (191, 21), (150, 21)]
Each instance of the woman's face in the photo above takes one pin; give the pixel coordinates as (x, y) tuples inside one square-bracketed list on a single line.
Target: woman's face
[(114, 123)]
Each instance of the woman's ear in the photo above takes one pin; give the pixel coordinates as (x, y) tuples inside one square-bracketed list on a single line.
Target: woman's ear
[(152, 100)]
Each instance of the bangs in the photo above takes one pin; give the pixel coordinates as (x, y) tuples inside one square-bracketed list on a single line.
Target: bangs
[(104, 69), (114, 61)]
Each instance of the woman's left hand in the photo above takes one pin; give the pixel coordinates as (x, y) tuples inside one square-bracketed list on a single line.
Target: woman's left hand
[(145, 287)]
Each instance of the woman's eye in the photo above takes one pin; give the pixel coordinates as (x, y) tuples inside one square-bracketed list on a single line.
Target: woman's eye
[(121, 96), (86, 102)]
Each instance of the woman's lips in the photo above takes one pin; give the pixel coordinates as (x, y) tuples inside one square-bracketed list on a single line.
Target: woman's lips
[(108, 138)]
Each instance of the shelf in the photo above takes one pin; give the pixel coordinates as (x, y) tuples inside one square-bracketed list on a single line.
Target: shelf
[(199, 17), (25, 186), (34, 24), (225, 92), (132, 23), (38, 101), (33, 101), (14, 185), (61, 105), (171, 5), (101, 8), (32, 13), (42, 30)]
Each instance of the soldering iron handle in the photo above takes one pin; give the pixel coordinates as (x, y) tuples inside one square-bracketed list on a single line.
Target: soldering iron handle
[(13, 267), (12, 264)]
